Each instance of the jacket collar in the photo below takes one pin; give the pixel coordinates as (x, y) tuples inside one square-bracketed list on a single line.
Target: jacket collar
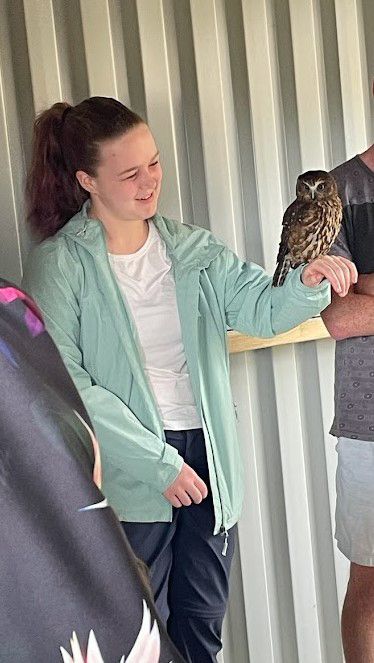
[(188, 246)]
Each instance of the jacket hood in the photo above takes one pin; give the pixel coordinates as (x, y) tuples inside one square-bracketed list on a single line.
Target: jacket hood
[(188, 245)]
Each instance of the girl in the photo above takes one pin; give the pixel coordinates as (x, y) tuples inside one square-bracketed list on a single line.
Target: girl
[(139, 306)]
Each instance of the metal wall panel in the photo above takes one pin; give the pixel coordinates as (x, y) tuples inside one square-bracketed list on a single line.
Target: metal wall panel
[(242, 95)]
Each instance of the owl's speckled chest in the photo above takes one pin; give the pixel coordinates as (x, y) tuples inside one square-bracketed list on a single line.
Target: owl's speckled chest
[(313, 229)]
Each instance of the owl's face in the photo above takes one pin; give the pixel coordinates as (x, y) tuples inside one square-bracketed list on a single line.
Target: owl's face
[(315, 185)]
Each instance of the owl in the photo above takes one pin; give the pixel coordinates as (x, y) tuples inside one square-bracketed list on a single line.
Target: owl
[(310, 224)]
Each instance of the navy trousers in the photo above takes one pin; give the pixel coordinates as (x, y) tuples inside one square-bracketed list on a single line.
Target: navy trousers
[(188, 572)]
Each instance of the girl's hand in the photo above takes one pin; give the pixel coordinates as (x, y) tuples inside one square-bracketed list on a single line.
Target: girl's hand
[(187, 488), (340, 272)]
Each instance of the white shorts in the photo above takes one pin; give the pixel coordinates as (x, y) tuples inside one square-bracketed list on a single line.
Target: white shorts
[(354, 515)]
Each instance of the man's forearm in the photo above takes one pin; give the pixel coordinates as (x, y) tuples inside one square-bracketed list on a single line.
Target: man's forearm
[(351, 316)]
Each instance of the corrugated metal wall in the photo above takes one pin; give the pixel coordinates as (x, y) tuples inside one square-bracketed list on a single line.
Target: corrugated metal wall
[(242, 95)]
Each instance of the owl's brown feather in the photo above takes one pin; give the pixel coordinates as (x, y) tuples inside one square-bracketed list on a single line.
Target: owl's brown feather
[(310, 224)]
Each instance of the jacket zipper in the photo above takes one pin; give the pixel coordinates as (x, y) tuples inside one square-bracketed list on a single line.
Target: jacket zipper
[(223, 529), (224, 532)]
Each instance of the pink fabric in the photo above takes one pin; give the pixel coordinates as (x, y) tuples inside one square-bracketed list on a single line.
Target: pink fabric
[(33, 318)]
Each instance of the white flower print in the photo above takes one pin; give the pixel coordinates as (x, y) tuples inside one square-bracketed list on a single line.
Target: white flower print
[(145, 650)]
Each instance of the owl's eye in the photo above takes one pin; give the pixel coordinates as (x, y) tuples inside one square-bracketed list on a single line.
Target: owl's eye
[(320, 187)]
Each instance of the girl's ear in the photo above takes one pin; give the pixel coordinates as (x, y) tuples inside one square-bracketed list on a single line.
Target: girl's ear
[(87, 182)]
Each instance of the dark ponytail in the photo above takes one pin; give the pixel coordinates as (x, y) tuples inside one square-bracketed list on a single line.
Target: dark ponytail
[(66, 139)]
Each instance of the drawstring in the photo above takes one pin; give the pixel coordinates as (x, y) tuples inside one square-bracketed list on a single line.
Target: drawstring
[(225, 543), (82, 231)]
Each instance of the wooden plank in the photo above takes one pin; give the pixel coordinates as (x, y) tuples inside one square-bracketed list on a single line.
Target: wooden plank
[(310, 330)]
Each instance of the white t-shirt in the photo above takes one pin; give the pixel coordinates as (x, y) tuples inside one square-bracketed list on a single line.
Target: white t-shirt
[(146, 280)]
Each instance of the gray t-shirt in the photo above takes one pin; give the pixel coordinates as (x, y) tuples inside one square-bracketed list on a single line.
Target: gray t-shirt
[(354, 357)]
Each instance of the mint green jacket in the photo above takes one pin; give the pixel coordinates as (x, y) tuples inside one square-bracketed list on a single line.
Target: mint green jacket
[(70, 278)]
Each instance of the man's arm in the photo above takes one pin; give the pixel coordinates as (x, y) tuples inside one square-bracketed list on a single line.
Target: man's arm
[(351, 316)]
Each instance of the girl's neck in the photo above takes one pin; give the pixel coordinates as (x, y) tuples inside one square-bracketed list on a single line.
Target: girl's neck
[(127, 238), (122, 237)]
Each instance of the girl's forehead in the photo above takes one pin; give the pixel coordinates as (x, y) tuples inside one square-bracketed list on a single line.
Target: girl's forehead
[(132, 148)]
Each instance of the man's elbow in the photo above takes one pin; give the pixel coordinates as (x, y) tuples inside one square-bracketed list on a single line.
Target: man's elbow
[(338, 333), (336, 329)]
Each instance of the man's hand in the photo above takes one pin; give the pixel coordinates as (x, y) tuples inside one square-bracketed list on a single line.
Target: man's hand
[(340, 272), (187, 488)]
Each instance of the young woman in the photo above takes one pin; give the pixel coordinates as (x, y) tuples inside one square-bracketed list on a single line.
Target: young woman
[(139, 306)]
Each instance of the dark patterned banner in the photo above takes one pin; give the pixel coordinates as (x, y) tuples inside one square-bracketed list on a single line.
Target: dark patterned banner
[(70, 585)]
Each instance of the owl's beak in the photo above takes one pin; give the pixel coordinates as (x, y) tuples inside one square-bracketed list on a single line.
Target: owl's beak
[(312, 190)]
